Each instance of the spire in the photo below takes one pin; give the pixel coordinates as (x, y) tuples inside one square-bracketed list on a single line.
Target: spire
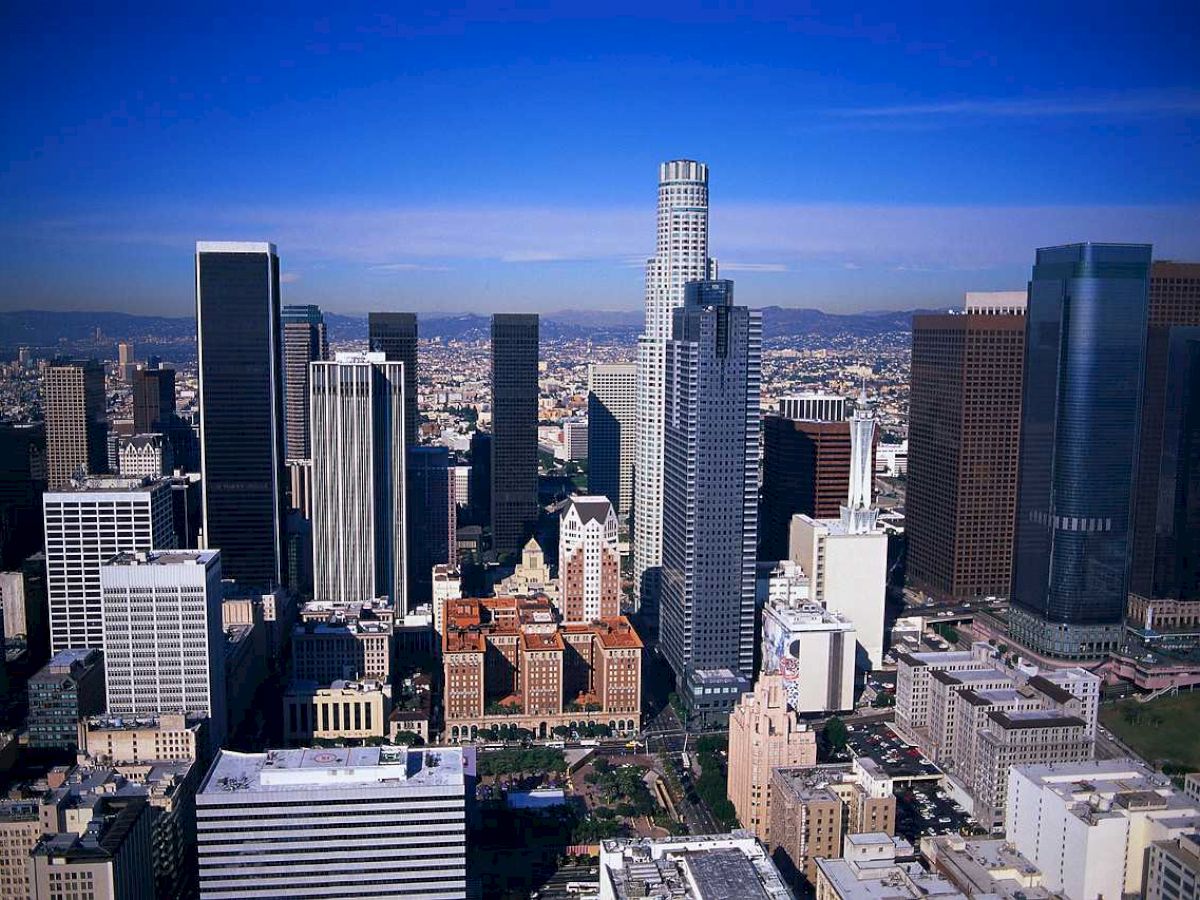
[(858, 515)]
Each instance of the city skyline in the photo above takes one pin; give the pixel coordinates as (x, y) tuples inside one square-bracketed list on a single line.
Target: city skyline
[(950, 150)]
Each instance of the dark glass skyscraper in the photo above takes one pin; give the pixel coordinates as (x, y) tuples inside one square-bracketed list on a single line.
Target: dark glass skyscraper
[(1080, 417), (153, 400), (304, 342), (241, 407), (514, 430), (394, 334), (430, 497)]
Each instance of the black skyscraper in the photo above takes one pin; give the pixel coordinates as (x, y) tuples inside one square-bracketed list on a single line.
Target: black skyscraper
[(153, 400), (395, 335), (304, 342), (514, 430), (241, 407)]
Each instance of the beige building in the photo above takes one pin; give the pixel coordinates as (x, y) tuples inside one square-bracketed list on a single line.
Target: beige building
[(986, 868), (868, 870), (352, 710), (764, 734), (342, 647), (1173, 869), (20, 830), (110, 859), (115, 739), (531, 575)]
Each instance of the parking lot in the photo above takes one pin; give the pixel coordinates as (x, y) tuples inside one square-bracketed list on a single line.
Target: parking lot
[(895, 757), (924, 809)]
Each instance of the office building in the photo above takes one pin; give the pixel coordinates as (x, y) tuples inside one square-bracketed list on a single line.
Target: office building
[(811, 649), (126, 365), (395, 336), (144, 456), (1165, 560), (86, 526), (300, 474), (696, 867), (985, 868), (392, 823), (433, 519), (76, 421), (447, 585), (23, 601), (241, 407), (481, 477), (111, 859), (1173, 869), (343, 641), (1088, 825), (460, 478), (612, 432), (342, 710), (680, 256), (1080, 420), (514, 469), (869, 869), (358, 479), (508, 661), (20, 830), (764, 735), (22, 483), (66, 689), (813, 808), (964, 435), (170, 603), (710, 491), (589, 561), (153, 400), (173, 737), (304, 342), (814, 407)]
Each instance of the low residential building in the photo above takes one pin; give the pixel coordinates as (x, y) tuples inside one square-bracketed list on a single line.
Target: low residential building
[(171, 736), (65, 690), (1173, 869), (392, 822), (1088, 825), (814, 808), (698, 867), (868, 870), (764, 734), (109, 860), (345, 710)]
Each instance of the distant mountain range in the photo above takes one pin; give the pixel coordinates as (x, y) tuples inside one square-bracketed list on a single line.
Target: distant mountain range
[(78, 331)]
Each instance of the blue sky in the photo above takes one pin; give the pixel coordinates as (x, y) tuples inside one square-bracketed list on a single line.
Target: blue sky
[(505, 157)]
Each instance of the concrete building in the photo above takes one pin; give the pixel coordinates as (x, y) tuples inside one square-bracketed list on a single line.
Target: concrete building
[(393, 819), (699, 867), (680, 256), (589, 561), (358, 450), (964, 432), (65, 690), (813, 407), (110, 739), (764, 734), (167, 602), (1088, 825), (612, 432), (352, 642), (868, 870), (304, 341), (87, 525), (20, 830), (710, 493), (447, 586), (145, 456), (985, 868), (76, 422), (345, 710), (111, 859), (1173, 869), (514, 462), (575, 439), (813, 809), (531, 576)]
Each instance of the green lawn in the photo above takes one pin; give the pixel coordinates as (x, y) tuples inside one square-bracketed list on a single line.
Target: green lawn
[(1163, 731)]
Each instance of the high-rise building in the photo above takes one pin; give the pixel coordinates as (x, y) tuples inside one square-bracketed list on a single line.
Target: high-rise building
[(304, 342), (358, 479), (22, 483), (680, 256), (361, 822), (710, 491), (394, 335), (589, 561), (1165, 561), (76, 423), (481, 477), (514, 430), (1080, 422), (612, 432), (65, 690), (86, 526), (144, 456), (433, 519), (126, 365), (153, 400), (964, 435), (813, 407), (764, 734), (241, 407), (170, 602)]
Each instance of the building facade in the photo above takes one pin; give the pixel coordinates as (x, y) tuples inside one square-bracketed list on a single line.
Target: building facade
[(76, 422), (304, 342), (433, 519), (66, 689), (342, 710), (394, 334), (612, 432), (514, 463), (144, 456), (589, 561), (813, 651)]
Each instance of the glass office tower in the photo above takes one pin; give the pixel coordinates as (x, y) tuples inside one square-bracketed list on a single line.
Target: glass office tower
[(1081, 409), (514, 430)]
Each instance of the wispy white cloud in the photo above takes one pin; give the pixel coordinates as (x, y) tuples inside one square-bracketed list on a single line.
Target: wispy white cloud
[(1123, 105), (289, 277), (387, 268), (753, 267)]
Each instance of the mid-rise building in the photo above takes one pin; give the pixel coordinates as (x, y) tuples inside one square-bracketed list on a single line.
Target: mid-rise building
[(353, 642), (1080, 426), (447, 586), (343, 710), (764, 735), (531, 576), (164, 637), (812, 650), (304, 342), (985, 868), (589, 561), (20, 830), (612, 432), (575, 439), (86, 525), (358, 453), (76, 422), (65, 690), (392, 822), (514, 464), (710, 492), (144, 456), (697, 867), (110, 739), (964, 435), (240, 358), (1173, 869), (111, 859), (869, 869)]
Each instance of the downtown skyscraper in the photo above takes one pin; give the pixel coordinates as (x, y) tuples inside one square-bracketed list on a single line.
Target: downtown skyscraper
[(514, 430), (394, 334), (304, 342), (680, 256), (76, 427), (241, 407)]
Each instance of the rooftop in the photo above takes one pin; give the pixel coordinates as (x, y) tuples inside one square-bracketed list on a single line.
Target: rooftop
[(703, 867), (107, 485), (283, 771), (165, 558)]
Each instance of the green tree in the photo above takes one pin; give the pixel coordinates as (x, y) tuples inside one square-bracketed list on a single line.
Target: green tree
[(836, 734)]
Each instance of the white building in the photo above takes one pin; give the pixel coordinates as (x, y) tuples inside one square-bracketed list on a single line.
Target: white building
[(357, 410), (681, 255), (575, 438), (87, 525), (699, 867), (144, 455), (891, 459), (460, 481), (813, 407), (164, 639), (813, 649), (1088, 825), (447, 585), (868, 870), (589, 561), (612, 431), (349, 823)]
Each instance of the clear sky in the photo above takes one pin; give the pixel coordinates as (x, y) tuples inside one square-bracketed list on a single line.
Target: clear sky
[(501, 157)]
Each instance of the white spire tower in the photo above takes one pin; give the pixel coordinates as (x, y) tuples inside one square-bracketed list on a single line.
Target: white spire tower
[(859, 515)]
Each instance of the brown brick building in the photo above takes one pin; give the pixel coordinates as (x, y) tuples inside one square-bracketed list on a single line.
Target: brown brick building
[(963, 440)]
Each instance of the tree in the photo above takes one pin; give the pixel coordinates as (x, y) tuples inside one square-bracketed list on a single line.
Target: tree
[(836, 734)]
